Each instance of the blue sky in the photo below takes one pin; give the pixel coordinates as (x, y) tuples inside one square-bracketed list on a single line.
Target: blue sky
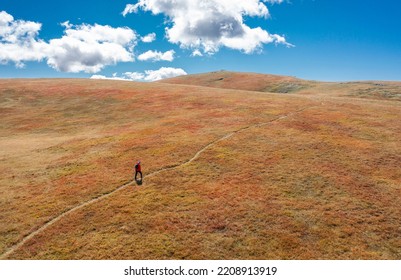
[(151, 39)]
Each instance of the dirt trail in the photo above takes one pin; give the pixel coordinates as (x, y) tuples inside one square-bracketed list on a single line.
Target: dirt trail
[(103, 196)]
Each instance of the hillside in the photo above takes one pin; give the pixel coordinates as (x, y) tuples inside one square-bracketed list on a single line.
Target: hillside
[(291, 85), (243, 81), (229, 173)]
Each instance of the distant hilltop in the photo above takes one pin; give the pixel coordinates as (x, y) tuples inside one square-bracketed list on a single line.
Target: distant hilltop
[(289, 85)]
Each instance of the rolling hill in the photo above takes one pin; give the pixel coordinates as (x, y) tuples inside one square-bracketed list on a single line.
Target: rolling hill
[(236, 166), (291, 85)]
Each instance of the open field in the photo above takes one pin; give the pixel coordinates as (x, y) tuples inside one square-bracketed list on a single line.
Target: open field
[(236, 165)]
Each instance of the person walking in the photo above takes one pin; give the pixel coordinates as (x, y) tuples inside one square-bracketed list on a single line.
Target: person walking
[(138, 169)]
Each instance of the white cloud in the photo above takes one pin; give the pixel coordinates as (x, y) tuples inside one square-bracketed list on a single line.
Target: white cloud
[(101, 77), (157, 56), (149, 38), (147, 76), (129, 8), (5, 18), (134, 76), (196, 53), (90, 48), (163, 73), (18, 42), (87, 48), (274, 1), (210, 25)]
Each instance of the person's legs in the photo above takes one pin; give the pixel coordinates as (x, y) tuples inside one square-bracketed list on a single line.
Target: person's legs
[(136, 174)]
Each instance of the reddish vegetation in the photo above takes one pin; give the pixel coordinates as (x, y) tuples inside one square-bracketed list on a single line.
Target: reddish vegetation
[(323, 183), (284, 85)]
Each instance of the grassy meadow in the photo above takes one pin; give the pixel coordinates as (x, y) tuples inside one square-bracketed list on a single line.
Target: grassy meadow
[(286, 169)]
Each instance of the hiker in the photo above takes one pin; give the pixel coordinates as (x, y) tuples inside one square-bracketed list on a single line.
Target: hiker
[(138, 169)]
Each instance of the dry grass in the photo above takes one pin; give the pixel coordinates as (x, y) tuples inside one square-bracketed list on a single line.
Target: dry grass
[(324, 183), (291, 85), (244, 81)]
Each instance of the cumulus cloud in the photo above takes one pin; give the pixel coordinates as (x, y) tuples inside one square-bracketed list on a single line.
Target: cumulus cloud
[(147, 76), (163, 73), (134, 76), (18, 41), (87, 48), (90, 48), (157, 56), (210, 25), (149, 38)]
